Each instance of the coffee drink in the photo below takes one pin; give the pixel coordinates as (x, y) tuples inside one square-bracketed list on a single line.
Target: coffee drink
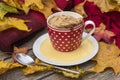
[(64, 21)]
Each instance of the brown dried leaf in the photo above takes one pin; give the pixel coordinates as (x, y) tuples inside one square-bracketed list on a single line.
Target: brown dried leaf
[(21, 50), (17, 50), (108, 56)]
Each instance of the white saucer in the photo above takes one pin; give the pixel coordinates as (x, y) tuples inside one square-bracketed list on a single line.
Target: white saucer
[(37, 52)]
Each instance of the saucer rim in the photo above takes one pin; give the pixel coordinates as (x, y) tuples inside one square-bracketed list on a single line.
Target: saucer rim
[(39, 55)]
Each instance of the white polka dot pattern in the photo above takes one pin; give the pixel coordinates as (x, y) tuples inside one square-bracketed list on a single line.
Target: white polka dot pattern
[(65, 41)]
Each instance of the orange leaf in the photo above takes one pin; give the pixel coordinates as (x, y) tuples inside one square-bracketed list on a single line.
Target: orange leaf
[(23, 50)]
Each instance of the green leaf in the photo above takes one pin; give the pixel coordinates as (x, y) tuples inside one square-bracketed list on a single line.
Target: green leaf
[(2, 13), (4, 9)]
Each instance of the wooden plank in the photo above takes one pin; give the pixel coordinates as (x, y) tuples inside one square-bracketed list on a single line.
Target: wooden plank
[(4, 55), (106, 75), (56, 77), (16, 74)]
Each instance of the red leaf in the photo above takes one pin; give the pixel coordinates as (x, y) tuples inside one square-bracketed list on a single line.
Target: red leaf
[(22, 1), (93, 13), (91, 9), (76, 2), (64, 4), (110, 19), (118, 41)]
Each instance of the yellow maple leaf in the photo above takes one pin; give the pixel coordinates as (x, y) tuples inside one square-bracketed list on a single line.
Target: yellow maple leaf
[(14, 3), (107, 57), (5, 66), (29, 3), (26, 5), (80, 9), (48, 6), (37, 3), (35, 68), (107, 5), (10, 22), (43, 6)]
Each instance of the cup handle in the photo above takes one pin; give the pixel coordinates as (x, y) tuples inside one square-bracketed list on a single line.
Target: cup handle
[(89, 34)]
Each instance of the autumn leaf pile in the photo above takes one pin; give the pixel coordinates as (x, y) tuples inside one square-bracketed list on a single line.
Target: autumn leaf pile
[(105, 14)]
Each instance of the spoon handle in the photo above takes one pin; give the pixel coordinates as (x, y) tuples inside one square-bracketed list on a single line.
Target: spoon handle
[(61, 68), (65, 69)]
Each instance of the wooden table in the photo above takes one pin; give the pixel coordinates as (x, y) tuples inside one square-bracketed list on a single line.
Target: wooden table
[(16, 74)]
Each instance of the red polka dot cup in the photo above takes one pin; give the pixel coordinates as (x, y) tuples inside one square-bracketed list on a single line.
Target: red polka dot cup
[(68, 39)]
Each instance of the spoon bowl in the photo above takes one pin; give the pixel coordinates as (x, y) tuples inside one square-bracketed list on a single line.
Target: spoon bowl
[(27, 60), (24, 59)]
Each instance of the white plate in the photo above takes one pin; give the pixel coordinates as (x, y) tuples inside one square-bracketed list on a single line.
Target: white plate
[(38, 54)]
